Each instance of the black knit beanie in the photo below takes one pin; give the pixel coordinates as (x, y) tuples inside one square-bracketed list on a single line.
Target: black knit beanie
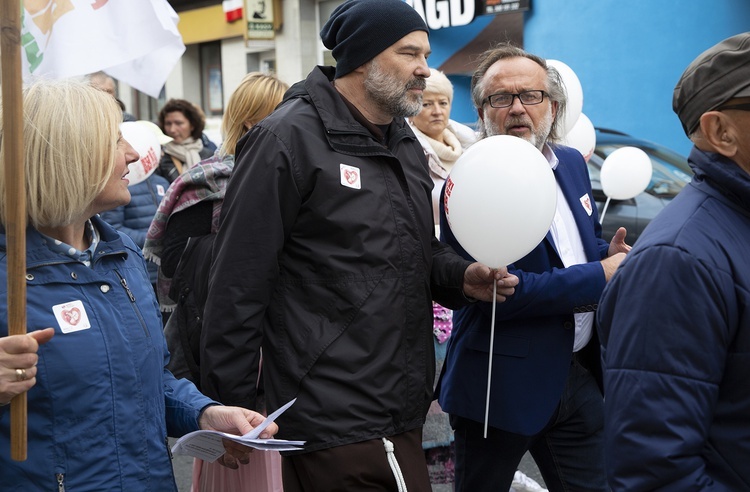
[(359, 30)]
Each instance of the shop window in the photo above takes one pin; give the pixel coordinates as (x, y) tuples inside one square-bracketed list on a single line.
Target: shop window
[(145, 107), (211, 79)]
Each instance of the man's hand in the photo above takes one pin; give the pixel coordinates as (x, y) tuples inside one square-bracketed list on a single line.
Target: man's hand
[(617, 245), (234, 420), (479, 278), (610, 264)]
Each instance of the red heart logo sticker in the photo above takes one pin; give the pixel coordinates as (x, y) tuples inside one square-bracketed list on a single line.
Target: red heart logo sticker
[(72, 316), (351, 176)]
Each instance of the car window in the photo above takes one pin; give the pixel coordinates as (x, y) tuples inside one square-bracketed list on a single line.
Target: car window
[(594, 172)]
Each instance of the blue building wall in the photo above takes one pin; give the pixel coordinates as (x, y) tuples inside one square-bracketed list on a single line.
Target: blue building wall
[(628, 55)]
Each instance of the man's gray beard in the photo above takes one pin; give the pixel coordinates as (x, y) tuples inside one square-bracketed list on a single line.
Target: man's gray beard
[(538, 136), (390, 94)]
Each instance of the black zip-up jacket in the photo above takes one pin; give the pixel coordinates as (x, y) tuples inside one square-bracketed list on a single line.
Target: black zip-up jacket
[(326, 257)]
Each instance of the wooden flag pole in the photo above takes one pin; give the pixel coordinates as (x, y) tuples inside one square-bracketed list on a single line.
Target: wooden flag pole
[(15, 220)]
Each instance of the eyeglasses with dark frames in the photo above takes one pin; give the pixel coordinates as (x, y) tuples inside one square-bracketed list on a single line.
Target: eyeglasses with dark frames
[(505, 99), (740, 107)]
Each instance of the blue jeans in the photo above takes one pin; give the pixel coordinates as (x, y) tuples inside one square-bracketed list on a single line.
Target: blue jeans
[(569, 451)]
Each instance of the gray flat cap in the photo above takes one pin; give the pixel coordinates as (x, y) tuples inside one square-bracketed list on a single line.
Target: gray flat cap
[(719, 74)]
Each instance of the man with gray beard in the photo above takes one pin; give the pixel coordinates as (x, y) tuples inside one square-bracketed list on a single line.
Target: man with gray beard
[(326, 259), (546, 393)]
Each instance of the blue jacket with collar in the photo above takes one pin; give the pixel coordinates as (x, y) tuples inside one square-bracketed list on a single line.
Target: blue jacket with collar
[(103, 404), (533, 327)]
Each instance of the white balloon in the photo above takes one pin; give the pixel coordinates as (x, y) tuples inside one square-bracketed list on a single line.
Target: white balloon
[(153, 127), (500, 199), (625, 173), (574, 93), (146, 143), (582, 137)]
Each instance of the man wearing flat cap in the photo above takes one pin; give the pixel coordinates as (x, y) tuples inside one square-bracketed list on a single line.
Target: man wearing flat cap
[(674, 322), (326, 258)]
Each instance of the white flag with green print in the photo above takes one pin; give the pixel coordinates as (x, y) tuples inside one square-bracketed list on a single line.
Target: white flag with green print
[(135, 41)]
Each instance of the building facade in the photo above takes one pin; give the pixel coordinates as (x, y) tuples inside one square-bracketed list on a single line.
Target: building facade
[(627, 55)]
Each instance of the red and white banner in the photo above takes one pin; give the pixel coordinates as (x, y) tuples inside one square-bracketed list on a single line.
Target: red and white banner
[(232, 10), (135, 41)]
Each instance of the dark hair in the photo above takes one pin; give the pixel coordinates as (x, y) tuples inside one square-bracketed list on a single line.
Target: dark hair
[(555, 86), (189, 110)]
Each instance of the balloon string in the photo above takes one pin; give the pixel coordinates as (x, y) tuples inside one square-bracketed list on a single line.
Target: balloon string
[(489, 370), (604, 211)]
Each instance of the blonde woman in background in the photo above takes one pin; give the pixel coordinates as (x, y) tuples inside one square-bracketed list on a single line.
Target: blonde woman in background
[(180, 239), (443, 141)]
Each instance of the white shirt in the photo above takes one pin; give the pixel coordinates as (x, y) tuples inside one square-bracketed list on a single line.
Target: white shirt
[(567, 241)]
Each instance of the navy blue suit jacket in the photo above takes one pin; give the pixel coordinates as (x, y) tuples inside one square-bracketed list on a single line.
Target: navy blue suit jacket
[(534, 328)]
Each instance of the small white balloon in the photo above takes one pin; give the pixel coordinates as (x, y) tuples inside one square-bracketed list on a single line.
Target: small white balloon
[(574, 93), (146, 143), (500, 199), (582, 137), (625, 173)]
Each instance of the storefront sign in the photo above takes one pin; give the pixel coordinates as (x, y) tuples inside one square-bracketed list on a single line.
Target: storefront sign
[(503, 6), (259, 16), (438, 14)]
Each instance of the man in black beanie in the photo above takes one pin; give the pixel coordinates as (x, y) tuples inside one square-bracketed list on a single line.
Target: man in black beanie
[(675, 320), (326, 259)]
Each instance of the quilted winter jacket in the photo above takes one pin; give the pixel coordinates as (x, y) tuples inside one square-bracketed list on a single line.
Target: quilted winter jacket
[(134, 218), (96, 417), (674, 324), (326, 254)]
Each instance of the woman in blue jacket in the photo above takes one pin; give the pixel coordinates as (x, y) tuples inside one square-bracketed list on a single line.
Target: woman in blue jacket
[(101, 403)]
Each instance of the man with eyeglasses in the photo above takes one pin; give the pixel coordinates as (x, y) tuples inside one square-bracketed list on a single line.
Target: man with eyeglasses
[(545, 396), (675, 320)]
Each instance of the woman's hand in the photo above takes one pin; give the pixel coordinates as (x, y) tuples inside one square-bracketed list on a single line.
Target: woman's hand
[(235, 420), (18, 358)]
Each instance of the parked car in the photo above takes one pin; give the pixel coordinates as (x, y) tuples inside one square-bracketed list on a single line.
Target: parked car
[(671, 174)]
